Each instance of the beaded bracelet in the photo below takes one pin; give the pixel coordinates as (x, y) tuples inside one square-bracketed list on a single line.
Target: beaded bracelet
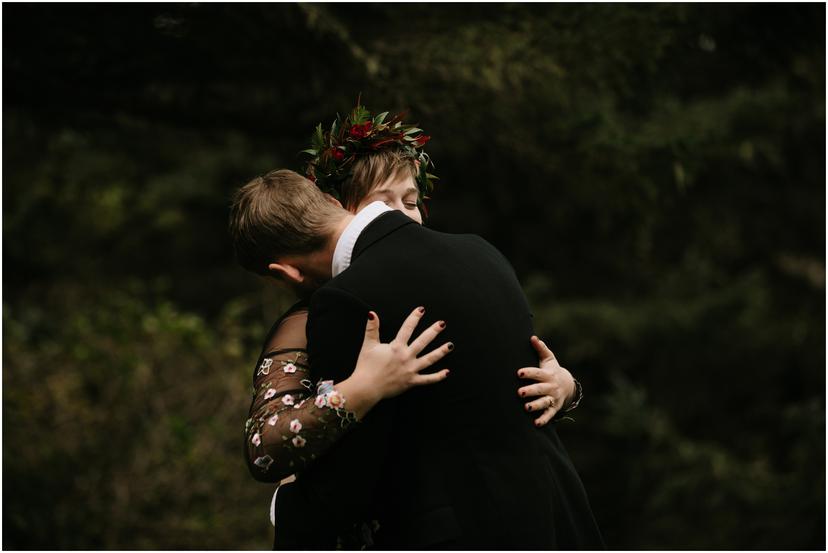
[(579, 395)]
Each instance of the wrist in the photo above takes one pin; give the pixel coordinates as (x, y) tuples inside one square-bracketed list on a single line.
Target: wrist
[(571, 389), (359, 395), (579, 395)]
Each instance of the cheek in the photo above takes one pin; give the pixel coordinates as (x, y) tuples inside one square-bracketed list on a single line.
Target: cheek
[(415, 214)]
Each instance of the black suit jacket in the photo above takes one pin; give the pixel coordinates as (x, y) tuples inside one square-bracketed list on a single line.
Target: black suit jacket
[(457, 464)]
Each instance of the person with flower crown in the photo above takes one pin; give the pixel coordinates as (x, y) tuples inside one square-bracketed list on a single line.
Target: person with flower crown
[(293, 420)]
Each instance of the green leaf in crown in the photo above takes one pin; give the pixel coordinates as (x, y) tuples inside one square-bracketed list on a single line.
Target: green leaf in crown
[(333, 152)]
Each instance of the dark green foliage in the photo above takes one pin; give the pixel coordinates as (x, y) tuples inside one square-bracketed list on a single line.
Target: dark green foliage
[(655, 172)]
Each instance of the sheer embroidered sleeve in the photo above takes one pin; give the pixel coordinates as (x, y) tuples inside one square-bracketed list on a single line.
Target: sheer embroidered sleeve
[(292, 420)]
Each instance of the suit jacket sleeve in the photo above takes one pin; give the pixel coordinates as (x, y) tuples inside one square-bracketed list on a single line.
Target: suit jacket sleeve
[(336, 490)]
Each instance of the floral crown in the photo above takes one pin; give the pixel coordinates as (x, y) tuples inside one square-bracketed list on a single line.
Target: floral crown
[(334, 151)]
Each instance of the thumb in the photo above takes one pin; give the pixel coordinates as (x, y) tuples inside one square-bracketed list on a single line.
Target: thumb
[(372, 329), (544, 353)]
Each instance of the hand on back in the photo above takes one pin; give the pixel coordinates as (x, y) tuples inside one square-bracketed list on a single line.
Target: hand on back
[(392, 368), (554, 384)]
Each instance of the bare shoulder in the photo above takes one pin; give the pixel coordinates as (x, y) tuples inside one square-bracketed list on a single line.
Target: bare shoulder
[(290, 334)]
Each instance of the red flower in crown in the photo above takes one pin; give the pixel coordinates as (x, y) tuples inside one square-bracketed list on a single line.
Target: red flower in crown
[(360, 131), (421, 140), (337, 154)]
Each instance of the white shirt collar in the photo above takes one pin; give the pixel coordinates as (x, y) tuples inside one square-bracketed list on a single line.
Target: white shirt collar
[(347, 240)]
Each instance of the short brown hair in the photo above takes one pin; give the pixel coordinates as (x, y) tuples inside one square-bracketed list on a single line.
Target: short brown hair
[(280, 213), (372, 170)]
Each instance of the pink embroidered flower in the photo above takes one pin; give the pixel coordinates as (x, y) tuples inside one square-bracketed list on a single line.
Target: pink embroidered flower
[(336, 400), (272, 420), (295, 426), (289, 368), (256, 439), (263, 462), (287, 399), (299, 441), (320, 401), (269, 393)]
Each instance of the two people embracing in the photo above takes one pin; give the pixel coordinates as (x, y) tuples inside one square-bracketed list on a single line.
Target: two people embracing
[(406, 390)]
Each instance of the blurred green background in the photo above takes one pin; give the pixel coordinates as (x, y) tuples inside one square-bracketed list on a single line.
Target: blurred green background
[(655, 172)]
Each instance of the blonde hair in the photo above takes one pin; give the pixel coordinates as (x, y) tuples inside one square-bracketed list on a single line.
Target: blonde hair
[(372, 170), (280, 213)]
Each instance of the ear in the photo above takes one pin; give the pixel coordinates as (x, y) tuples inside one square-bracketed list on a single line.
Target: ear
[(286, 272), (333, 200)]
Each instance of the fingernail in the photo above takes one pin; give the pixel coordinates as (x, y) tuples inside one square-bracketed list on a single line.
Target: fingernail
[(520, 373), (421, 309), (370, 316), (528, 407), (537, 423), (450, 346), (442, 324), (522, 393)]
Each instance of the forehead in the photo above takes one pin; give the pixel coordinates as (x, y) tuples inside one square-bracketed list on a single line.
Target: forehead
[(397, 183)]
